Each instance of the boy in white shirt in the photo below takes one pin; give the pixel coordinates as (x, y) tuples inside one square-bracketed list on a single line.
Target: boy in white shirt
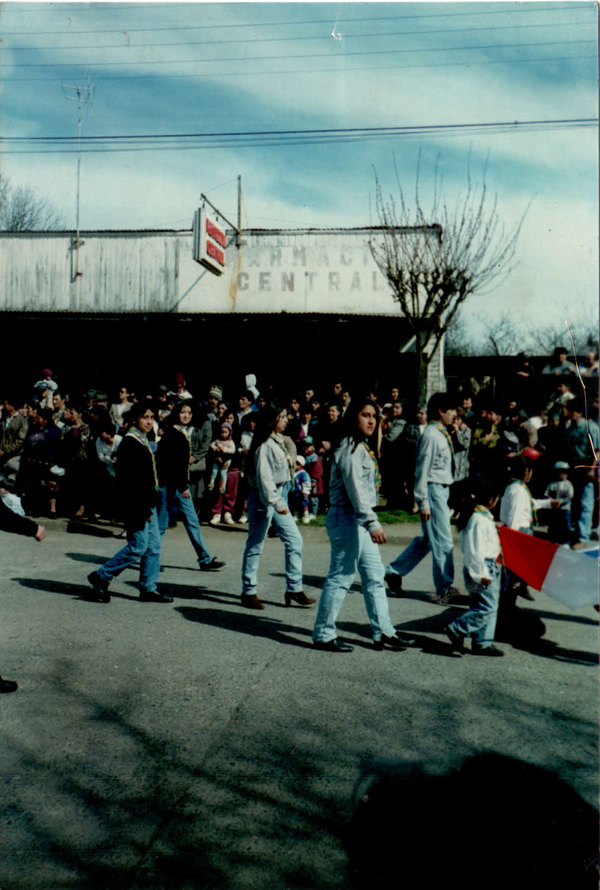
[(480, 546), (518, 511)]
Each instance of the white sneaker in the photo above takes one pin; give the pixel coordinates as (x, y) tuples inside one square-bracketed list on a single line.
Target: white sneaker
[(228, 518), (306, 518), (215, 519), (243, 518)]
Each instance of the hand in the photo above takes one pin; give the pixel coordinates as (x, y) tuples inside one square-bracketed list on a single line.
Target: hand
[(555, 504), (41, 533), (485, 582), (186, 493), (378, 536), (283, 511), (425, 515)]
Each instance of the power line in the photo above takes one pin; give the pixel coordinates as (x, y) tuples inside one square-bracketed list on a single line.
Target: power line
[(386, 52), (274, 138), (325, 37), (291, 23), (292, 71)]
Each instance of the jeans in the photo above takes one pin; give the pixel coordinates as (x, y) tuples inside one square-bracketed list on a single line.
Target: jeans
[(143, 544), (437, 538), (259, 520), (583, 509), (352, 548), (190, 522), (479, 621)]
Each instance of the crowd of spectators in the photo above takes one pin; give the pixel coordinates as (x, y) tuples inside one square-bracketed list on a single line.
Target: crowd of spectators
[(58, 449)]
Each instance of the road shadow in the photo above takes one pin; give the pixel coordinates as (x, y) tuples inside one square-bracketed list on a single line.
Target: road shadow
[(77, 591), (249, 623), (537, 830), (75, 527), (88, 557)]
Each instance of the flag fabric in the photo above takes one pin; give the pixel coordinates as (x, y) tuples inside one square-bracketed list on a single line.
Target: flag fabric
[(568, 576)]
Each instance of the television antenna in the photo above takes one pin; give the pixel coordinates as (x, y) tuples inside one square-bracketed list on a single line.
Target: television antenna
[(83, 95)]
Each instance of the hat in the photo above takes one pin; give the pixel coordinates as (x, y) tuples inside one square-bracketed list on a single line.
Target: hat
[(308, 440), (216, 393), (162, 388), (300, 460), (101, 397), (561, 465), (47, 372), (90, 394), (179, 379), (226, 426)]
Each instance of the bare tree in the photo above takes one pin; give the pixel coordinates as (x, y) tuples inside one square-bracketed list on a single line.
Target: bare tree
[(23, 210), (433, 260), (577, 333)]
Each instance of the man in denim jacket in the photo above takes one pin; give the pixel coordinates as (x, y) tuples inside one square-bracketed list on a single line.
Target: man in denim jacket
[(434, 474)]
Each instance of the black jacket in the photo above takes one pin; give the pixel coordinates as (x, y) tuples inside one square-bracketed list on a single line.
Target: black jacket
[(136, 486), (173, 460)]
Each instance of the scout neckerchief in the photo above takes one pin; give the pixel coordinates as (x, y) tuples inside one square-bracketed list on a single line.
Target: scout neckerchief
[(281, 443), (440, 426), (375, 464), (187, 432), (143, 440), (531, 500), (483, 511)]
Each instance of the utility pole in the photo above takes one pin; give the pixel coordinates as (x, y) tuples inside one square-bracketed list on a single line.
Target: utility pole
[(239, 231), (83, 96)]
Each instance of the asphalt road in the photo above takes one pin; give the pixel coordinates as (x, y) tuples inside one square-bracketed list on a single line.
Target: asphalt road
[(200, 745)]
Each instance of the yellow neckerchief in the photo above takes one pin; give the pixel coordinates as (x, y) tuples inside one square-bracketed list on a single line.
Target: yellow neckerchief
[(440, 426), (483, 511), (531, 500), (371, 454), (277, 438), (143, 440), (186, 430)]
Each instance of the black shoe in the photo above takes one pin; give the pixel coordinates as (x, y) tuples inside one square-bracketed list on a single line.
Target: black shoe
[(334, 646), (100, 587), (398, 642), (394, 582), (213, 566), (153, 596), (7, 685), (456, 642), (489, 651)]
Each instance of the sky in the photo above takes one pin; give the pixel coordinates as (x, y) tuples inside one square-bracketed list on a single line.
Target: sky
[(438, 76)]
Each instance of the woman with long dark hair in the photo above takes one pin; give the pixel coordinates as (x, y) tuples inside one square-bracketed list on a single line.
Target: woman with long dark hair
[(173, 460), (270, 471), (137, 485), (354, 532)]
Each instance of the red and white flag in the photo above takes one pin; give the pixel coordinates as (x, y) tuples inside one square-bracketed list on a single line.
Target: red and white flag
[(568, 576)]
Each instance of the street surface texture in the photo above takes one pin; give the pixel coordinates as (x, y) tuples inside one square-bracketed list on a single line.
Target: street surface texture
[(202, 745)]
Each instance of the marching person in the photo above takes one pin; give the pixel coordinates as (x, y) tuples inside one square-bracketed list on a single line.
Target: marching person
[(137, 483), (480, 546), (270, 468), (354, 533), (434, 474), (173, 461)]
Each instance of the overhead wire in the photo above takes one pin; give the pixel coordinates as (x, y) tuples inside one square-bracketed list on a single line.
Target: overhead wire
[(292, 71), (386, 52), (249, 139), (124, 45), (519, 10)]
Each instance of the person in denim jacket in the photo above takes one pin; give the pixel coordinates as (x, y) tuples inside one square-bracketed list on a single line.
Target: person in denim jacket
[(270, 477), (354, 532), (434, 475)]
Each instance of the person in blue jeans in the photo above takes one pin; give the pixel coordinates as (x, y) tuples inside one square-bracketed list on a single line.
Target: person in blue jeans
[(173, 460), (354, 532), (270, 474), (480, 546), (434, 474), (137, 486)]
